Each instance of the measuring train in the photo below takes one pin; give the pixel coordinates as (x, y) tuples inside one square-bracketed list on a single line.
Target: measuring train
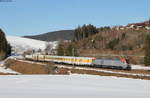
[(82, 61)]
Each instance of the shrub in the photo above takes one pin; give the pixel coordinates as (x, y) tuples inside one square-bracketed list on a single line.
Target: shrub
[(111, 44)]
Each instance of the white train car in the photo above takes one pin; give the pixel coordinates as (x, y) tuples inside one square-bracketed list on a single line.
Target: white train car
[(70, 60)]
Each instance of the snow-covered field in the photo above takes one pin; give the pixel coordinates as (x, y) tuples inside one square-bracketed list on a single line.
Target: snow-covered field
[(72, 86), (21, 44)]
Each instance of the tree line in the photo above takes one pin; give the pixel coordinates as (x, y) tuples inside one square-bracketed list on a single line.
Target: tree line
[(84, 31)]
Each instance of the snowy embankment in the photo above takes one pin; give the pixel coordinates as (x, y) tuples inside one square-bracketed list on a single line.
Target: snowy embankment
[(8, 71), (4, 70), (140, 67), (107, 71), (73, 86), (21, 44)]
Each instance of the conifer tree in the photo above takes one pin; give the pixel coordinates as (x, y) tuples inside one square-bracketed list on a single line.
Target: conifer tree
[(71, 50), (85, 31), (60, 50), (5, 48)]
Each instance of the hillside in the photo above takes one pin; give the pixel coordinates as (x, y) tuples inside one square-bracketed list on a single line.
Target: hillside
[(127, 41), (54, 36), (20, 44)]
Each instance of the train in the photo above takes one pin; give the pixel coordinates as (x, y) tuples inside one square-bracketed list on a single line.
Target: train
[(82, 61)]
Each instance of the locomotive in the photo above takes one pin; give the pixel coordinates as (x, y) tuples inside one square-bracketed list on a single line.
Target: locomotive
[(82, 61)]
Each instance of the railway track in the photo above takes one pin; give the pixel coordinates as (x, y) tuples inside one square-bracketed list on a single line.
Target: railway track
[(138, 74), (132, 72)]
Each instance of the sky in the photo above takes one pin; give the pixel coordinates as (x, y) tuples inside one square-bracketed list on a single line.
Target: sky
[(32, 17)]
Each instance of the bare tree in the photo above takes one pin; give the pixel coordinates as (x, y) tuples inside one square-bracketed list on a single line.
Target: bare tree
[(48, 48)]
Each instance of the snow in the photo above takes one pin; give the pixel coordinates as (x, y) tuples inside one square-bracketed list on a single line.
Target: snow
[(107, 71), (72, 86), (21, 44), (3, 70), (113, 72), (140, 67)]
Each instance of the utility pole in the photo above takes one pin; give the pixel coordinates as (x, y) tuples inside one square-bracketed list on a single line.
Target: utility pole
[(72, 51), (74, 57)]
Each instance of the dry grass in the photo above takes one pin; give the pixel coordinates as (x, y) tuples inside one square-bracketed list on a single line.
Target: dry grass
[(7, 74), (28, 68), (135, 56), (33, 67)]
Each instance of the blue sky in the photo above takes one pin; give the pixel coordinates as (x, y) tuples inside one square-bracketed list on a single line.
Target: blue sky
[(31, 17)]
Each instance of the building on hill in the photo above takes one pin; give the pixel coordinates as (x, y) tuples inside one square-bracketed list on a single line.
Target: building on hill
[(135, 26)]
